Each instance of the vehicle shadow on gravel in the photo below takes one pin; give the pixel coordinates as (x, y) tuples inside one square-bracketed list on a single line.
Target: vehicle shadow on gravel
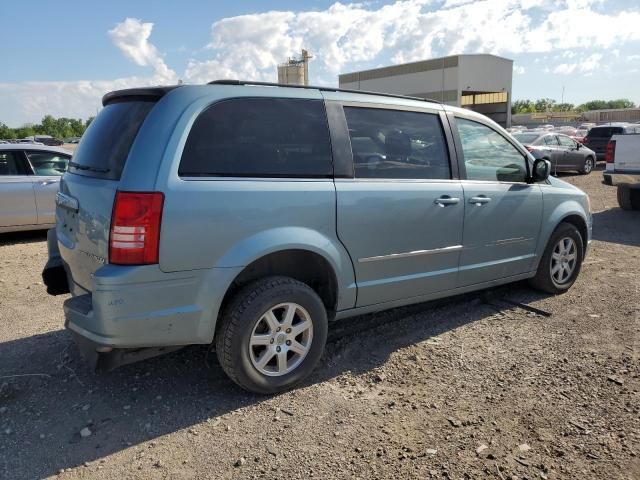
[(55, 413), (15, 238), (615, 225)]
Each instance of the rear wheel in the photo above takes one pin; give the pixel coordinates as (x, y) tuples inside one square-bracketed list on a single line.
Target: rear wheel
[(561, 261), (628, 198), (272, 335), (588, 166)]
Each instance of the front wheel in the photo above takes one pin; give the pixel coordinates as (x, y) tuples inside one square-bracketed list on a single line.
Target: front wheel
[(561, 261), (272, 335), (588, 166)]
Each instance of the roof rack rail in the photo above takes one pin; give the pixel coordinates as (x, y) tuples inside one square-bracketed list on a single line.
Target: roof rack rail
[(322, 89)]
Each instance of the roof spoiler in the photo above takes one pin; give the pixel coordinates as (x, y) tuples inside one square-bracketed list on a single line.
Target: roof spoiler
[(132, 94)]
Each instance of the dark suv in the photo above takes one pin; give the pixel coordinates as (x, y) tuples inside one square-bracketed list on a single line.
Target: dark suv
[(598, 137)]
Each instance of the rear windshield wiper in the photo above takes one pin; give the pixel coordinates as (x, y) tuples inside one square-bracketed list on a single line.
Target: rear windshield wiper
[(87, 167)]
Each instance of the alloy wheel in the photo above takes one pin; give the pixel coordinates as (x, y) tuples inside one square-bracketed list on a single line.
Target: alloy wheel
[(564, 260), (281, 339)]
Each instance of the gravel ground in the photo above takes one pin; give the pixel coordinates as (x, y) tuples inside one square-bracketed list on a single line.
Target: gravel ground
[(471, 387)]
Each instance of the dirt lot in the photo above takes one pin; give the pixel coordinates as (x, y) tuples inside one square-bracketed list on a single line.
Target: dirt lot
[(474, 387)]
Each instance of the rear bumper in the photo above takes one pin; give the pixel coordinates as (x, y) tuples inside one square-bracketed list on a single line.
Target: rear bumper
[(614, 178), (141, 307)]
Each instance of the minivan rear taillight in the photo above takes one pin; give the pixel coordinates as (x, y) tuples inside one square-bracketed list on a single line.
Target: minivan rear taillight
[(135, 228), (611, 151)]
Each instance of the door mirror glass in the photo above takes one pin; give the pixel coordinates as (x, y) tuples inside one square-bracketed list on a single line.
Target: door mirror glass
[(541, 170)]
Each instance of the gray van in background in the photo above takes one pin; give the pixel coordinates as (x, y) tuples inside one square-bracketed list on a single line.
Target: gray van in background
[(249, 216)]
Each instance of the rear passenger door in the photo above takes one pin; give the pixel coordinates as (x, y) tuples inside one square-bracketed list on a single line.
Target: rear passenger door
[(47, 168), (399, 204), (502, 213), (17, 202)]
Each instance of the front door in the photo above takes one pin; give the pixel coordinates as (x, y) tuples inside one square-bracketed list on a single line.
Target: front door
[(17, 201), (401, 215), (572, 158), (502, 212)]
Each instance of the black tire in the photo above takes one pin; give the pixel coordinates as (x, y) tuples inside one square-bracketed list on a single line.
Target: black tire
[(544, 280), (628, 198), (589, 164), (239, 319)]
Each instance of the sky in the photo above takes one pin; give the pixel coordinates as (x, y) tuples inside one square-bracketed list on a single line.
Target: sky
[(59, 58)]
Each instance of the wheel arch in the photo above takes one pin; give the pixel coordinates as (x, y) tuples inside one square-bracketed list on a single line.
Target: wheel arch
[(571, 212), (581, 224), (306, 266)]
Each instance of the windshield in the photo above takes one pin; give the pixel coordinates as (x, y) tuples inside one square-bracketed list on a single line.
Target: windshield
[(105, 146)]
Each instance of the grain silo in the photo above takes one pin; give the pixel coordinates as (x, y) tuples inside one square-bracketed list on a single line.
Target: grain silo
[(295, 71)]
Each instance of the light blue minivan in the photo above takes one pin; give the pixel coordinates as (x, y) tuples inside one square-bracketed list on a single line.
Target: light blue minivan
[(248, 216)]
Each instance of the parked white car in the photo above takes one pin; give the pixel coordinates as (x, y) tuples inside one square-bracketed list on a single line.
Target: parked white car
[(623, 169), (29, 179)]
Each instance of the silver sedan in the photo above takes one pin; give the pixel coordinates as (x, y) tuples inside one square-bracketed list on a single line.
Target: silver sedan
[(29, 179), (563, 152)]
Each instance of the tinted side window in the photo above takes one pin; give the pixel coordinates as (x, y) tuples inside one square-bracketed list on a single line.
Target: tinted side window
[(488, 155), (48, 163), (397, 144), (9, 164), (259, 137)]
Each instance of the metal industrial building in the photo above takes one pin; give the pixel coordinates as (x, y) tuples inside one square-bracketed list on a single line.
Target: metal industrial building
[(480, 82)]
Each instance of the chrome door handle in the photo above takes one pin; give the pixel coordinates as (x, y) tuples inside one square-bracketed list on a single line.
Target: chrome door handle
[(44, 183), (445, 200), (479, 200)]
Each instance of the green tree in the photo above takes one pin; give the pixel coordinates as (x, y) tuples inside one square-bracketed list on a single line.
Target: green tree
[(564, 107), (6, 132), (544, 105)]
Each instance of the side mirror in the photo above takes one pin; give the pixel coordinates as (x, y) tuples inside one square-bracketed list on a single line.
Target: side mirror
[(578, 146), (541, 170)]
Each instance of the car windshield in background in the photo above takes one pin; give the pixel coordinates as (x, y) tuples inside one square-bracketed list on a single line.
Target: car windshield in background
[(526, 137), (106, 143), (604, 131)]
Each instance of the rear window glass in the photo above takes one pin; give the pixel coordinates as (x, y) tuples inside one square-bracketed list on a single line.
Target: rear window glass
[(602, 132), (259, 137), (105, 145), (526, 137)]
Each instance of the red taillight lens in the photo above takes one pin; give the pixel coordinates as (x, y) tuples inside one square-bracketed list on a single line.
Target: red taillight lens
[(135, 228), (611, 151), (585, 140)]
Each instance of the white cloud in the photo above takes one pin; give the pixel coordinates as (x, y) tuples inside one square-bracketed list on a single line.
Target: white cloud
[(586, 66), (519, 70), (351, 36), (132, 38), (346, 37)]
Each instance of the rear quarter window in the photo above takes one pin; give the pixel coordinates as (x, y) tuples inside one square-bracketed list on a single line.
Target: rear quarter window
[(105, 145), (259, 137)]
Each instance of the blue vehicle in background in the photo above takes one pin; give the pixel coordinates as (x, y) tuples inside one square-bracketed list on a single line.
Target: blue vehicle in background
[(250, 216)]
